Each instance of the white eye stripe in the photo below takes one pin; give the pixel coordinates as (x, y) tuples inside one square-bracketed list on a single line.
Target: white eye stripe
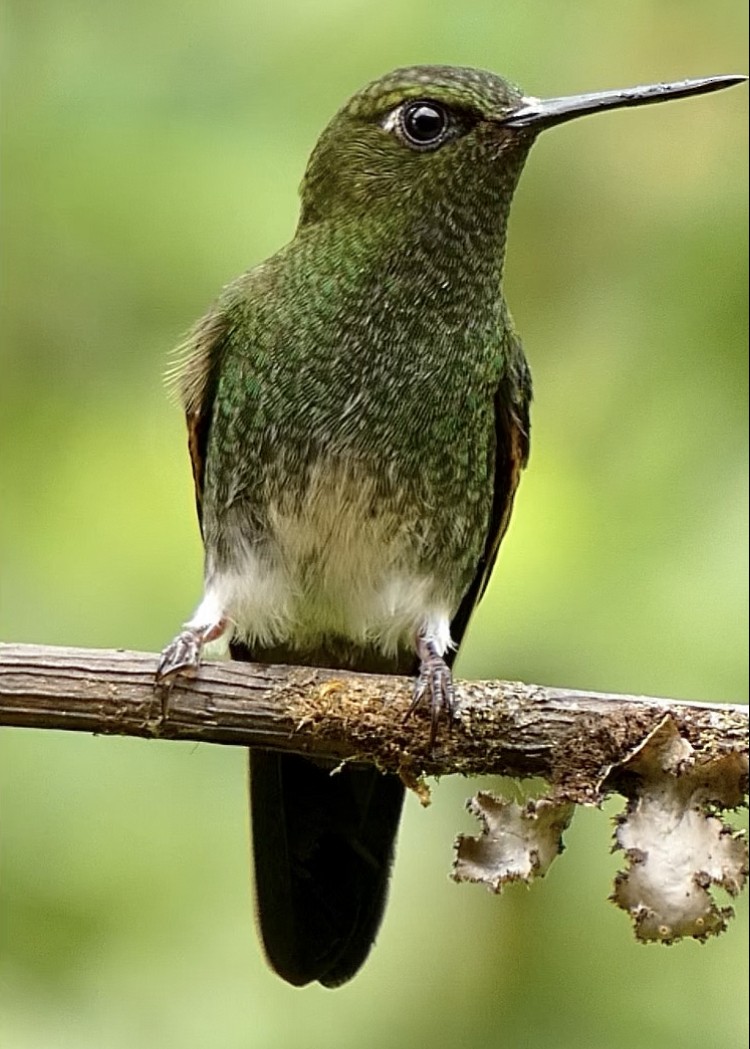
[(392, 120)]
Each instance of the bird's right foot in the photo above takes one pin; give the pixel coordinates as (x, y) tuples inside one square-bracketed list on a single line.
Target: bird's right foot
[(181, 657)]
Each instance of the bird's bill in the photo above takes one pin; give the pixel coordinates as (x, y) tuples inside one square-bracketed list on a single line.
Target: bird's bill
[(545, 112)]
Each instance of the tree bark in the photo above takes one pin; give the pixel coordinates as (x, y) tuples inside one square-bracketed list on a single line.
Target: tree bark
[(577, 740)]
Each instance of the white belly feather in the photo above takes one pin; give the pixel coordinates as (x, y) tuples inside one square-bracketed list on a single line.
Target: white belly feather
[(328, 566)]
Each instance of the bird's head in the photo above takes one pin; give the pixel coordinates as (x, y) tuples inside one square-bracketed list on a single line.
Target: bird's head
[(443, 137), (424, 134)]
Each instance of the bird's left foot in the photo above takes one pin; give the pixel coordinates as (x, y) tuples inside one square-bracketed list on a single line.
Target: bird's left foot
[(435, 684)]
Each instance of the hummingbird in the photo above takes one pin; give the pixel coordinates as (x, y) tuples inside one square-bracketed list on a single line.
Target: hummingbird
[(358, 419)]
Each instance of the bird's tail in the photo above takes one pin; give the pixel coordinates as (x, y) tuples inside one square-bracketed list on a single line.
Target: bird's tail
[(323, 840), (323, 843)]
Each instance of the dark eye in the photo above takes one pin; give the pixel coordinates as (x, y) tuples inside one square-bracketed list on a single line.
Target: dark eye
[(424, 123)]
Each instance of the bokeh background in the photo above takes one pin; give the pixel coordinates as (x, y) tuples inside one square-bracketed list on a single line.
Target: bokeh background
[(152, 151)]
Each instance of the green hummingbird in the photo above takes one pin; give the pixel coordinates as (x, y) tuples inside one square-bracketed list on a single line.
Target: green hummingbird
[(358, 419)]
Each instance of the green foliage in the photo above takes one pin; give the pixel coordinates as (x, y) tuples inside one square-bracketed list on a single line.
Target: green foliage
[(151, 153)]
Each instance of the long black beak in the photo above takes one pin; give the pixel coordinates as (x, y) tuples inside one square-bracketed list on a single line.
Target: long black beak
[(544, 112)]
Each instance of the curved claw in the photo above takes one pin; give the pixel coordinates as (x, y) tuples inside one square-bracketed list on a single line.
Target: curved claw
[(435, 682), (181, 657)]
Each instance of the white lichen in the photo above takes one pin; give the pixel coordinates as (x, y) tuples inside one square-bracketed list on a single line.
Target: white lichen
[(517, 843), (677, 847)]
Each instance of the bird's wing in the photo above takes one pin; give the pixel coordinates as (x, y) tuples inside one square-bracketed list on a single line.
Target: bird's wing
[(512, 431), (192, 378)]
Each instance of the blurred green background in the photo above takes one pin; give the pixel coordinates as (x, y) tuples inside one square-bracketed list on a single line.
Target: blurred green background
[(152, 151)]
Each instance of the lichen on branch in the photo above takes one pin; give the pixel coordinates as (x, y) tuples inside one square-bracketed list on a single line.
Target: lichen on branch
[(678, 764)]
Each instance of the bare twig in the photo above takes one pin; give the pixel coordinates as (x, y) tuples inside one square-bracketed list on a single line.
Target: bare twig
[(572, 738)]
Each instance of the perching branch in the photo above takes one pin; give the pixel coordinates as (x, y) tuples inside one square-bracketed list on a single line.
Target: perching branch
[(678, 763), (571, 738)]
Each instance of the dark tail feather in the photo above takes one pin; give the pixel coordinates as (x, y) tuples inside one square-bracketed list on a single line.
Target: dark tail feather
[(323, 842)]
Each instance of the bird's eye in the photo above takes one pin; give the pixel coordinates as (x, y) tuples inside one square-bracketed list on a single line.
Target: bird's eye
[(424, 124)]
